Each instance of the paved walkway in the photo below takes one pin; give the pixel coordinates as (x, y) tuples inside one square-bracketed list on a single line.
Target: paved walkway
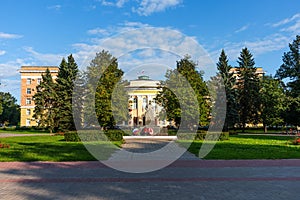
[(184, 179), (5, 135)]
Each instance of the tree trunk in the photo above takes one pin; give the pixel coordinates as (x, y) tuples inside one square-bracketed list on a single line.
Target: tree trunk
[(265, 128), (243, 128)]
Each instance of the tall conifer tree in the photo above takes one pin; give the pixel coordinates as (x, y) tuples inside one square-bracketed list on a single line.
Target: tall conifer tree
[(225, 72), (46, 103), (248, 89), (64, 86)]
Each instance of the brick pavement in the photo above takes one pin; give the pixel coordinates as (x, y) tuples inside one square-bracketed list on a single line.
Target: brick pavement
[(183, 179)]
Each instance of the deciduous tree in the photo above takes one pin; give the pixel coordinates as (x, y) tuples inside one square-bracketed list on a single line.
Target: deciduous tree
[(290, 70)]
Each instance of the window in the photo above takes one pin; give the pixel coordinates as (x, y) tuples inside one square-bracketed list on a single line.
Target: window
[(134, 105), (28, 91), (39, 80), (28, 101), (28, 122), (28, 112), (28, 81)]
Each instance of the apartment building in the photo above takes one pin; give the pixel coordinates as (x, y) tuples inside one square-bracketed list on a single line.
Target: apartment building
[(31, 76)]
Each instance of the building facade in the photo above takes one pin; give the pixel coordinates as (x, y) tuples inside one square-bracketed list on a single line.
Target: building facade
[(143, 109), (31, 76)]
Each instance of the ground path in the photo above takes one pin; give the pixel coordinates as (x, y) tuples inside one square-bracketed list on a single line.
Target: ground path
[(185, 178), (5, 135)]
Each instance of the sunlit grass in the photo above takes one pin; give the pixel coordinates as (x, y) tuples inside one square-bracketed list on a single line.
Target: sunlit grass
[(250, 147)]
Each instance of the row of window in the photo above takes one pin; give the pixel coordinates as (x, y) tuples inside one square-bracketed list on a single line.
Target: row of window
[(29, 81)]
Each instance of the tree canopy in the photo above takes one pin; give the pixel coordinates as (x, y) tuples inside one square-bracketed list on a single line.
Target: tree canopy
[(173, 104), (104, 77), (10, 114), (290, 69)]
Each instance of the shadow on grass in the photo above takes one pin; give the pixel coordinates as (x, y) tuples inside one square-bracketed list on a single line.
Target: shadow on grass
[(54, 150)]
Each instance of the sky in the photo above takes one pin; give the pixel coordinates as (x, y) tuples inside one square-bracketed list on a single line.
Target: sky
[(147, 36)]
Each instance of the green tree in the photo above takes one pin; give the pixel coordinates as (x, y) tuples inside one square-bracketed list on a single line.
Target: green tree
[(104, 77), (248, 86), (272, 102), (45, 100), (64, 86), (225, 72), (290, 70), (10, 109), (173, 104), (1, 108)]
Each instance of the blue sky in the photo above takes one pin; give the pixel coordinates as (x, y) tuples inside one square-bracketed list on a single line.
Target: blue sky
[(36, 32)]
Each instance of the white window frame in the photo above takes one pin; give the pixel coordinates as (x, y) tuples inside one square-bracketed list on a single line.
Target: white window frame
[(28, 112), (28, 91), (28, 122), (39, 80), (28, 81), (28, 101)]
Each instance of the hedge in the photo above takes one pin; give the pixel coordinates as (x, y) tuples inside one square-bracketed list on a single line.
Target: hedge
[(201, 135), (94, 135)]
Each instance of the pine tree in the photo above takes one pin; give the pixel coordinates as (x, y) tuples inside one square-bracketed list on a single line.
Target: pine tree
[(225, 72), (248, 89), (64, 86), (45, 100)]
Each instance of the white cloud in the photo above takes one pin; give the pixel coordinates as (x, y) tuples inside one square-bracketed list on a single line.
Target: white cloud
[(286, 21), (147, 41), (144, 7), (273, 42), (295, 28), (147, 7), (2, 52), (118, 3), (54, 7), (9, 36), (10, 68), (291, 24), (44, 59), (98, 31), (243, 28)]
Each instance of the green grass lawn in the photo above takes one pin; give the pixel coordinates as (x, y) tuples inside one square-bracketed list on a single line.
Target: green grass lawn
[(48, 148), (24, 131), (54, 148), (250, 147)]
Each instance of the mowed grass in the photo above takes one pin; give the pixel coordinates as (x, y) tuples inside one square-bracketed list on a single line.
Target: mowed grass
[(2, 131), (49, 148), (251, 147)]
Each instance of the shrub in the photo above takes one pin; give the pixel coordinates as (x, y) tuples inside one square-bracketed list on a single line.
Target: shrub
[(2, 145), (94, 135), (201, 135), (296, 141)]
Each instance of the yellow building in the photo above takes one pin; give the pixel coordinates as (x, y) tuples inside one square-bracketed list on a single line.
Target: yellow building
[(259, 71), (31, 76), (142, 93)]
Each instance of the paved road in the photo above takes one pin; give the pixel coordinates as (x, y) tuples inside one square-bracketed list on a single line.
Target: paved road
[(183, 179)]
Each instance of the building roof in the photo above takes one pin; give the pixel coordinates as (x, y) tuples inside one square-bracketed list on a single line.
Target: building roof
[(38, 69)]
